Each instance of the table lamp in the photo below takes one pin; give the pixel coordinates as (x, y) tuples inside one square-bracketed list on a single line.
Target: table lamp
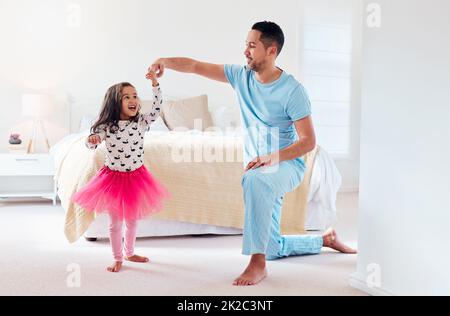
[(37, 106)]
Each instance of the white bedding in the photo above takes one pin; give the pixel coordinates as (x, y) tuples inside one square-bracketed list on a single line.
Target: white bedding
[(324, 186), (321, 211)]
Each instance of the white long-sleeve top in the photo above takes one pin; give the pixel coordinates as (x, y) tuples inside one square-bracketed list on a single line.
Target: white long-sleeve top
[(126, 146)]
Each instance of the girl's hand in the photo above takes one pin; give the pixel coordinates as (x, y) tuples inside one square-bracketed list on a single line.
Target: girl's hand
[(94, 140), (152, 76)]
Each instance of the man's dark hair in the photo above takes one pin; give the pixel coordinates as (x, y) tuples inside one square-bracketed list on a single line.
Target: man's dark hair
[(270, 33)]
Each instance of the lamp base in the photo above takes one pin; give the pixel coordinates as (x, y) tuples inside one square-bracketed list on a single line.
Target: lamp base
[(31, 143), (30, 147)]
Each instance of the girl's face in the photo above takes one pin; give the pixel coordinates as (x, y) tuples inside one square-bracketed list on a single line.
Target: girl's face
[(130, 103)]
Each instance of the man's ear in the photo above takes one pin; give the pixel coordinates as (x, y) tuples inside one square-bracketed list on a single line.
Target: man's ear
[(274, 50)]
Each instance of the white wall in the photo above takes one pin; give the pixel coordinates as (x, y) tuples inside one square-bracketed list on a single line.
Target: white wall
[(117, 40), (42, 51), (405, 170)]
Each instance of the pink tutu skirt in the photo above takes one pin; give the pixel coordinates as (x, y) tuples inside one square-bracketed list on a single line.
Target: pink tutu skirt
[(124, 195)]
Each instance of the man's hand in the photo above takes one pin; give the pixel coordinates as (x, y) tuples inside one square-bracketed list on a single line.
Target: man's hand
[(157, 68), (94, 140), (266, 161)]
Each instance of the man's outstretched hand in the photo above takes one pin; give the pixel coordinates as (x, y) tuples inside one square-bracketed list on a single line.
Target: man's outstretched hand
[(157, 68)]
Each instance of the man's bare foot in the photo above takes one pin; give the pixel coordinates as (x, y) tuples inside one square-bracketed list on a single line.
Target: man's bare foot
[(255, 272), (331, 240), (115, 268), (137, 259)]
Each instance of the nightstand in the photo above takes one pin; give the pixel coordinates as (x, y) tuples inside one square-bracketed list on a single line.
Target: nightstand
[(24, 175)]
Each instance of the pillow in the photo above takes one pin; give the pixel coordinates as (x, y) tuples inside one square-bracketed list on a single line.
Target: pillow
[(189, 113), (226, 117), (159, 126)]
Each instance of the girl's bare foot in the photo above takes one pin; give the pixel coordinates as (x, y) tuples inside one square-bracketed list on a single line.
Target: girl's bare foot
[(115, 268), (137, 259), (331, 240)]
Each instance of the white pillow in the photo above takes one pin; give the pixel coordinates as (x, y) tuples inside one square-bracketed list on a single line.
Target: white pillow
[(190, 113), (159, 126), (226, 117)]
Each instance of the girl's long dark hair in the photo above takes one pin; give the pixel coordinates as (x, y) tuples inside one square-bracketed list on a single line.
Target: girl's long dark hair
[(112, 106)]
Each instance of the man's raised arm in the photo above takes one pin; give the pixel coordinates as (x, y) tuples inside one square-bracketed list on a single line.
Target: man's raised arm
[(188, 65)]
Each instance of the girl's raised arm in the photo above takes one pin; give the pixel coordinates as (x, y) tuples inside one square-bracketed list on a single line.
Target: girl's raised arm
[(150, 117)]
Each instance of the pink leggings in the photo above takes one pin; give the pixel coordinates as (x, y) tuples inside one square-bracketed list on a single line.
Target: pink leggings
[(115, 237)]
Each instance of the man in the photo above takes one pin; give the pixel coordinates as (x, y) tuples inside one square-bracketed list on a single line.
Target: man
[(276, 115)]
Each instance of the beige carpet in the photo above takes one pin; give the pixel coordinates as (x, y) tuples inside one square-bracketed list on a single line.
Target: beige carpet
[(35, 258)]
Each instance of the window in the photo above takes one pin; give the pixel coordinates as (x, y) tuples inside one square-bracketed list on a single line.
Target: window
[(326, 66)]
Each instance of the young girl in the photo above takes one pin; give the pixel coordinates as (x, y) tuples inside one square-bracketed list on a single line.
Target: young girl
[(123, 188)]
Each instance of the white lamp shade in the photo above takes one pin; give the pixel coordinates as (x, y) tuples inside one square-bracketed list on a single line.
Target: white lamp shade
[(37, 105)]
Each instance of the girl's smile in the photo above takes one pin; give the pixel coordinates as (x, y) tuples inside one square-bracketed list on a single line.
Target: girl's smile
[(130, 103)]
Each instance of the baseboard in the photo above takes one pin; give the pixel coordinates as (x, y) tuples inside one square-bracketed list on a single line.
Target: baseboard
[(357, 282)]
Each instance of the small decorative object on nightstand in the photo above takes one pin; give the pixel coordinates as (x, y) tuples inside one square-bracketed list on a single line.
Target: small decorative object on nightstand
[(23, 176), (14, 139), (15, 145)]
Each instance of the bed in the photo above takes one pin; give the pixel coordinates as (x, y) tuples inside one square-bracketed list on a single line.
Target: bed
[(209, 203), (203, 172)]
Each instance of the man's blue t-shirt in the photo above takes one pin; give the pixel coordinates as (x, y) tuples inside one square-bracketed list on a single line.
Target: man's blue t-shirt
[(268, 111)]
